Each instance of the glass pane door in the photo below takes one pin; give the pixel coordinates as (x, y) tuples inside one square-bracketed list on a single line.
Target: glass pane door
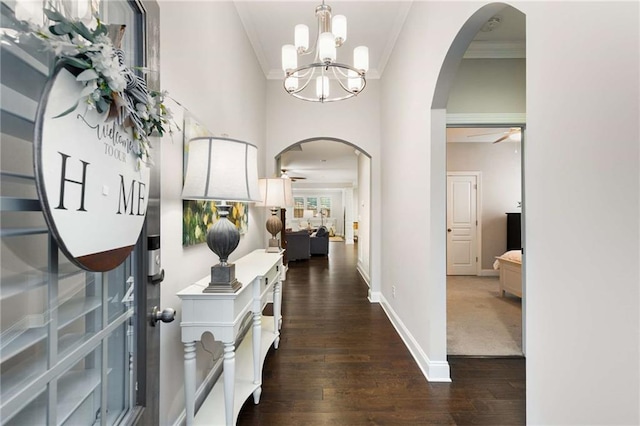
[(67, 336)]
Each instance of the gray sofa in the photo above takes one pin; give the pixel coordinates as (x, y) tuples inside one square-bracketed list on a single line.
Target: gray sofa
[(298, 245), (320, 242)]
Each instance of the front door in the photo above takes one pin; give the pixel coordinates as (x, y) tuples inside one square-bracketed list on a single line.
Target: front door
[(76, 347), (462, 224)]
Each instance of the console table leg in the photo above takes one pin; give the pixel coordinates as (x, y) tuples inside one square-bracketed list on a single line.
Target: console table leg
[(256, 395), (257, 337), (229, 372), (277, 312), (190, 380)]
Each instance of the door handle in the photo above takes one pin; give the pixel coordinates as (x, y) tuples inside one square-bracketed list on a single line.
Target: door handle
[(166, 315), (448, 229)]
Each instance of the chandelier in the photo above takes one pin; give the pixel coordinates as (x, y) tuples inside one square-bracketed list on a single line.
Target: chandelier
[(333, 81)]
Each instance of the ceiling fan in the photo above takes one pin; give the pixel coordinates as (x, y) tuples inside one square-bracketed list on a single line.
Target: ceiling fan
[(284, 174), (514, 134)]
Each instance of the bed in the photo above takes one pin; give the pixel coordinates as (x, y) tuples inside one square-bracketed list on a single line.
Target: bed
[(510, 267)]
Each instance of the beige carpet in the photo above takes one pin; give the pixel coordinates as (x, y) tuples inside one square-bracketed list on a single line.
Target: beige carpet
[(479, 321), (336, 238)]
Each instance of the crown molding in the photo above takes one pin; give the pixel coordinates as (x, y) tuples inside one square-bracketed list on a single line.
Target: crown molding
[(247, 23), (496, 50), (398, 23), (497, 118)]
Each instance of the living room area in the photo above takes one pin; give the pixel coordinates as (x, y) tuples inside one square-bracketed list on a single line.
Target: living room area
[(331, 199), (303, 244)]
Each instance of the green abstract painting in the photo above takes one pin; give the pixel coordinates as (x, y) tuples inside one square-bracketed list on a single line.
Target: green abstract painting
[(198, 216)]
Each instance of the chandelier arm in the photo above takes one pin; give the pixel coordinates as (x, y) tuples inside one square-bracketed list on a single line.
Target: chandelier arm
[(316, 48), (308, 52), (341, 67), (325, 100), (338, 70), (345, 88), (308, 71), (306, 83), (363, 81), (308, 75), (299, 70)]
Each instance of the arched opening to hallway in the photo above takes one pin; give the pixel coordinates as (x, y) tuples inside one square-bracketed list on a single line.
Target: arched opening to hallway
[(331, 188), (471, 94)]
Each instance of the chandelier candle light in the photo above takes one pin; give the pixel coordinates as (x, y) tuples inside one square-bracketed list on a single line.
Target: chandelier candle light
[(332, 33), (275, 193), (226, 170)]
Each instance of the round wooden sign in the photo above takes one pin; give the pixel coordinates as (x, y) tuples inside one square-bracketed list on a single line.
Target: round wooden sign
[(93, 193)]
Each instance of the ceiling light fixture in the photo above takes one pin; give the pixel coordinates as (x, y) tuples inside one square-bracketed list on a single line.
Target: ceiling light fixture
[(324, 70), (493, 23)]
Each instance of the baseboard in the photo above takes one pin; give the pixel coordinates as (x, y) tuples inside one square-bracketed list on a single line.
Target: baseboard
[(374, 296), (489, 273), (433, 371), (363, 274)]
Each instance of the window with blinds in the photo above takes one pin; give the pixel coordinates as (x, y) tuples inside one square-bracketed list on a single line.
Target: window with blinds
[(325, 206), (298, 207)]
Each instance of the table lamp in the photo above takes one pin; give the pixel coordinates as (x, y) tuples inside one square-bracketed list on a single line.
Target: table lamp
[(275, 193), (225, 170)]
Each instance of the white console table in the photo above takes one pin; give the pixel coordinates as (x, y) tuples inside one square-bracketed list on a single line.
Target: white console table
[(221, 314)]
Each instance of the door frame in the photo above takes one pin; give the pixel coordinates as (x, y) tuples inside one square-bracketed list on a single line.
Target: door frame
[(147, 362), (478, 176)]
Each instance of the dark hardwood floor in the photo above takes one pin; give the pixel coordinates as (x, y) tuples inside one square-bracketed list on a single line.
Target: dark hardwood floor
[(341, 362)]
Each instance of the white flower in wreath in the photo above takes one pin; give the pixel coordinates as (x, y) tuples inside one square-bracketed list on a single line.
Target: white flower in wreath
[(63, 48), (142, 111), (80, 42)]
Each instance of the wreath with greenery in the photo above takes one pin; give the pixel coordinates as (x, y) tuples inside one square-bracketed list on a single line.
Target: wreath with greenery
[(109, 86)]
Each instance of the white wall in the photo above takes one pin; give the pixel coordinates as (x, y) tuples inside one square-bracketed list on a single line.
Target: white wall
[(363, 205), (582, 195), (489, 85), (582, 202), (500, 186), (354, 121), (223, 85), (419, 307)]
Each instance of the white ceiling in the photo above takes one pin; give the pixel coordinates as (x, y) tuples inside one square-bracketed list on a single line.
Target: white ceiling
[(330, 163), (270, 24), (375, 24)]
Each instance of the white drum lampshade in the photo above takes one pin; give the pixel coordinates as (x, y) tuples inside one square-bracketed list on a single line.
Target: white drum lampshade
[(275, 193), (225, 170)]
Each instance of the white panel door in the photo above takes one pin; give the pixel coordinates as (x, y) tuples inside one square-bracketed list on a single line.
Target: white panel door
[(462, 225)]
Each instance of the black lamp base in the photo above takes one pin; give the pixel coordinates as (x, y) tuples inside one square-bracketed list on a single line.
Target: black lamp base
[(223, 238), (223, 279)]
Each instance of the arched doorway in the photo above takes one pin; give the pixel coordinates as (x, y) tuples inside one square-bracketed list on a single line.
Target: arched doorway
[(332, 186), (441, 118)]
